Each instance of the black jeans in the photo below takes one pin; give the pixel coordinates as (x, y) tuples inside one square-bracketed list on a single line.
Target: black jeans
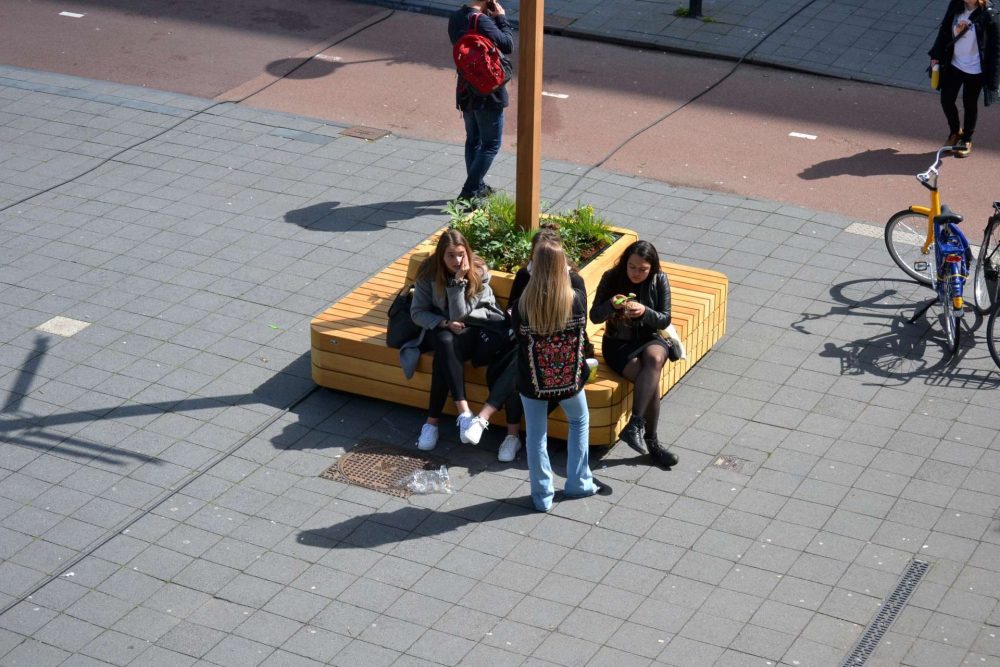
[(501, 377), (451, 351), (971, 85)]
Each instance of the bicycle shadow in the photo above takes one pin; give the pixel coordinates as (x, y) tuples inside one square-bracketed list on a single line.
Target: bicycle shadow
[(907, 351), (880, 162)]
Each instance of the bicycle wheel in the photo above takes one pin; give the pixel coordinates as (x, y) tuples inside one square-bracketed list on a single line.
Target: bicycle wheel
[(905, 234), (984, 280), (952, 323), (991, 337)]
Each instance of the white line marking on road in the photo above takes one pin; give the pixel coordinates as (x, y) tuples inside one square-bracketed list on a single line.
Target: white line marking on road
[(329, 59), (72, 15), (560, 96), (865, 230), (799, 135)]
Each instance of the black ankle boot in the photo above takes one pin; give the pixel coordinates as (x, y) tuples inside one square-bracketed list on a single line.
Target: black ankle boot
[(662, 456), (633, 434)]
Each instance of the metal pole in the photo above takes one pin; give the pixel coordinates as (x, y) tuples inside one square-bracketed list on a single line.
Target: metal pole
[(694, 9)]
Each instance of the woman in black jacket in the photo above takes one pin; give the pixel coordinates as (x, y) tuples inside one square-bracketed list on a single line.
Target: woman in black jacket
[(967, 49), (633, 298)]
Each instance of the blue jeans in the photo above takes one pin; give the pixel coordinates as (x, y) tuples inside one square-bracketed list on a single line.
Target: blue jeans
[(579, 480), (483, 133)]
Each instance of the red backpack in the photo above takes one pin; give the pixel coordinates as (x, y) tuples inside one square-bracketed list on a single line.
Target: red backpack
[(479, 62)]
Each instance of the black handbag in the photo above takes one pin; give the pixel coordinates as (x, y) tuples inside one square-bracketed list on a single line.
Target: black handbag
[(401, 328), (492, 342)]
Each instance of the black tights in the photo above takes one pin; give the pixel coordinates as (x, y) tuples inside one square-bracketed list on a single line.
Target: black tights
[(644, 373), (971, 85), (451, 351)]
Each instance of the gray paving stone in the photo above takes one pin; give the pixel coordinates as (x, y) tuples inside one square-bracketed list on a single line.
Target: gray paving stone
[(32, 652), (116, 648), (234, 651)]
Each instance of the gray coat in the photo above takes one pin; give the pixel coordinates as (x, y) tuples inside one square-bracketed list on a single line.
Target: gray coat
[(429, 309)]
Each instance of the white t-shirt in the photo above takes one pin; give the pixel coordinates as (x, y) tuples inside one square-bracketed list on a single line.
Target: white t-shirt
[(966, 56)]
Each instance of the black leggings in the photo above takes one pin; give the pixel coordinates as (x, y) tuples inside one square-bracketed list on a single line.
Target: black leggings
[(501, 377), (971, 85), (644, 372), (451, 351)]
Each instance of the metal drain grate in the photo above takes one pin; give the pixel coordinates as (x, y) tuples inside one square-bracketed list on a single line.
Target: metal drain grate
[(380, 467), (365, 132), (893, 604)]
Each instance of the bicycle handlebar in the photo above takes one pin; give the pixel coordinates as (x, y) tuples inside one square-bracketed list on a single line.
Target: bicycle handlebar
[(929, 178)]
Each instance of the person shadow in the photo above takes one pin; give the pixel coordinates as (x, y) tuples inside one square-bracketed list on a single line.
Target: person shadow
[(378, 529), (331, 216), (880, 162)]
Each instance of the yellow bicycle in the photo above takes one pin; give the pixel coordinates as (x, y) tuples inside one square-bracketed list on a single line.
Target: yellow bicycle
[(926, 243)]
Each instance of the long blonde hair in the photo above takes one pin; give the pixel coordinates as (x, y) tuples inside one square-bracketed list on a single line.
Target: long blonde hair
[(434, 269), (547, 302)]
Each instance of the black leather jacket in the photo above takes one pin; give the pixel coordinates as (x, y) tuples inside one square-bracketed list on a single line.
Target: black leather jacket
[(987, 22), (654, 294)]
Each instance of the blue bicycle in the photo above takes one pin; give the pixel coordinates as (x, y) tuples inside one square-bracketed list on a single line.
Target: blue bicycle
[(911, 235)]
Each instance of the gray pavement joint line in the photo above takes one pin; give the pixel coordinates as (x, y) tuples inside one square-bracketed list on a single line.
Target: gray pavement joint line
[(110, 158), (687, 103), (124, 525)]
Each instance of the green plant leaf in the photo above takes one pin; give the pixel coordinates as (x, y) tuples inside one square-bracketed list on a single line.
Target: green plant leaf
[(492, 231)]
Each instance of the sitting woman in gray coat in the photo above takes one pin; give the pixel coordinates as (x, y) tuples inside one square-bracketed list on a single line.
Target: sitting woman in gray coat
[(453, 302)]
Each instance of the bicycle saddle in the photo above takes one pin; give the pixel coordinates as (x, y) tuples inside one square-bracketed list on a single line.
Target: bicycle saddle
[(947, 216)]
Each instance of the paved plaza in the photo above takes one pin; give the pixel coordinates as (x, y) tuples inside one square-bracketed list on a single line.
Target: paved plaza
[(160, 497), (862, 40)]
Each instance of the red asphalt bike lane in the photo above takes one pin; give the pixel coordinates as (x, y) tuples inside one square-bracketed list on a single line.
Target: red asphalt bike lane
[(826, 144)]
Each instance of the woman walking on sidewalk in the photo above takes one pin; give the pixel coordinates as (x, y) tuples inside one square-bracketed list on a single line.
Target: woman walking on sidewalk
[(967, 49), (550, 321)]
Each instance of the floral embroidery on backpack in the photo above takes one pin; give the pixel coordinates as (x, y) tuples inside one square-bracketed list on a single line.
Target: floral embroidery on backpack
[(555, 362)]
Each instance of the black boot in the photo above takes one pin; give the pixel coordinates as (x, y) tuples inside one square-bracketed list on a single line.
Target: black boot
[(633, 434), (662, 456)]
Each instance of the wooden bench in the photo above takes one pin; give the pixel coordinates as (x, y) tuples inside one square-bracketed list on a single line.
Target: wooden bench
[(349, 351)]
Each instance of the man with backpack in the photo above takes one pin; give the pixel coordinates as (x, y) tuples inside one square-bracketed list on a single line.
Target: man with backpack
[(481, 92)]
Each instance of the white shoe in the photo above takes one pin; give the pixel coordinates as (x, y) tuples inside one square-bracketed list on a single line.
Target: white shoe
[(463, 422), (509, 449), (428, 437), (474, 430)]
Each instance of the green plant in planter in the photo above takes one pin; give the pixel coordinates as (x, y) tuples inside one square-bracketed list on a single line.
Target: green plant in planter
[(492, 231)]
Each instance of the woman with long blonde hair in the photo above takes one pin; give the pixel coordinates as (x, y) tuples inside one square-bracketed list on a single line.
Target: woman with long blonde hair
[(550, 322)]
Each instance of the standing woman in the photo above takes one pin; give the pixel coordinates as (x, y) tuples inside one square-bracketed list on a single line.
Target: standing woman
[(453, 302), (967, 50), (633, 298), (550, 321)]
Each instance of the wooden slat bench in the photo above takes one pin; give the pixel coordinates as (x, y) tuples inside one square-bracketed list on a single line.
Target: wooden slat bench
[(349, 351)]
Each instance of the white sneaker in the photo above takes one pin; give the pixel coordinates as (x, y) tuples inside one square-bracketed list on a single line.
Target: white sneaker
[(428, 437), (509, 448), (474, 430), (463, 422)]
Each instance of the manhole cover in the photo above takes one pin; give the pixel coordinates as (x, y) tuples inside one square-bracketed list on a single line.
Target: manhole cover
[(381, 467), (363, 132)]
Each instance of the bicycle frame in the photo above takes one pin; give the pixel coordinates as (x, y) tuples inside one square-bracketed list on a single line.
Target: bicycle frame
[(929, 179)]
